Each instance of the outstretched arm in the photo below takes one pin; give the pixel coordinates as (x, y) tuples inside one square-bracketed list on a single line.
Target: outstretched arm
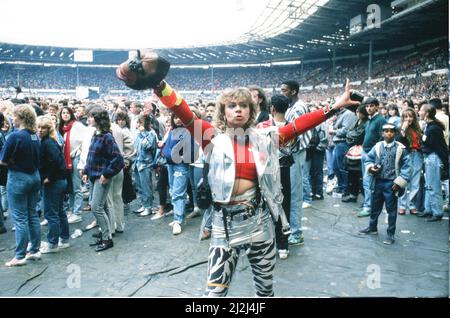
[(201, 130), (310, 120)]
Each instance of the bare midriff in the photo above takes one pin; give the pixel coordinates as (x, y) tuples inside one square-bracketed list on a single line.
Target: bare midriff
[(242, 185)]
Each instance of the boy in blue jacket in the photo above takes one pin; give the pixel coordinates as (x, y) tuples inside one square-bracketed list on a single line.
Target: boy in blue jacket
[(388, 162)]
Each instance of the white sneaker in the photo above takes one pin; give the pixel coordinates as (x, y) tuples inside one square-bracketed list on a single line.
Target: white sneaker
[(176, 228), (74, 219), (16, 262), (283, 254), (146, 212), (33, 257), (330, 186), (306, 205), (140, 210), (157, 216), (62, 245), (195, 213), (91, 225), (44, 222), (46, 248)]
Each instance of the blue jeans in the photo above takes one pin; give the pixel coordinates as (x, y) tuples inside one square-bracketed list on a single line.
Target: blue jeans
[(76, 197), (367, 180), (340, 151), (100, 207), (329, 153), (144, 185), (23, 195), (433, 193), (306, 182), (178, 179), (408, 200), (383, 194), (58, 226), (296, 172), (195, 174), (4, 198)]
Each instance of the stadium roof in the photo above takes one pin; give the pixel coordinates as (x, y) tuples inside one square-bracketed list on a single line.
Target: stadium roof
[(135, 24), (315, 36)]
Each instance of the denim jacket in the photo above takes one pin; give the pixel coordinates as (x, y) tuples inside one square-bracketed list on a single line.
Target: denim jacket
[(145, 145), (264, 146)]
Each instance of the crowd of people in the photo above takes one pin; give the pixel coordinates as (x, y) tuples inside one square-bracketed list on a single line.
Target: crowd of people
[(389, 148), (311, 73)]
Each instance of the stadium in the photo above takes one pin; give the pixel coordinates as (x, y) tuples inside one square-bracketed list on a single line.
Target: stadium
[(392, 50), (320, 52)]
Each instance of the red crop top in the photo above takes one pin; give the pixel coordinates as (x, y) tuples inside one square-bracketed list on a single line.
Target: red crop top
[(245, 163)]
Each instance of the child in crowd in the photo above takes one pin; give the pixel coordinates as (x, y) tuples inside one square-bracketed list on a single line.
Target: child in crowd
[(388, 162)]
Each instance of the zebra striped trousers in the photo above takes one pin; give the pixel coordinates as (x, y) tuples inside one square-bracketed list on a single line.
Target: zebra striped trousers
[(222, 265)]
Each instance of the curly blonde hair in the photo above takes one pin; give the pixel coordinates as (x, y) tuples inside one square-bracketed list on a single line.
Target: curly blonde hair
[(27, 116), (239, 95)]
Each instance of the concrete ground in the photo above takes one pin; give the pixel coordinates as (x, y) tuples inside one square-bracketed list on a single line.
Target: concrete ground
[(148, 261)]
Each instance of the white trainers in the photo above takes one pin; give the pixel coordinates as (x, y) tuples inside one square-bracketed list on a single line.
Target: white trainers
[(283, 254), (146, 212), (196, 213), (91, 225), (306, 205), (47, 249), (74, 219), (330, 186), (44, 222), (33, 257), (140, 210), (62, 245), (157, 216), (16, 262), (176, 228)]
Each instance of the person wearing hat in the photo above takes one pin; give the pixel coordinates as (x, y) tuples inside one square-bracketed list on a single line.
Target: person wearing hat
[(388, 162), (372, 135)]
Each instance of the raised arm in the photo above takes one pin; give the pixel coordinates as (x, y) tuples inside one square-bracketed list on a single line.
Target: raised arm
[(201, 130), (307, 121)]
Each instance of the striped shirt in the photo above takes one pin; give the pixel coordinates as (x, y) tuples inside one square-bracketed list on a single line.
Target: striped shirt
[(294, 111)]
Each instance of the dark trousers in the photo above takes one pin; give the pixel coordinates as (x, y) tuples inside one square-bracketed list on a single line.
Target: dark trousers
[(420, 197), (58, 226), (383, 193), (280, 238), (355, 182), (163, 185), (1, 220), (316, 172), (128, 192)]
